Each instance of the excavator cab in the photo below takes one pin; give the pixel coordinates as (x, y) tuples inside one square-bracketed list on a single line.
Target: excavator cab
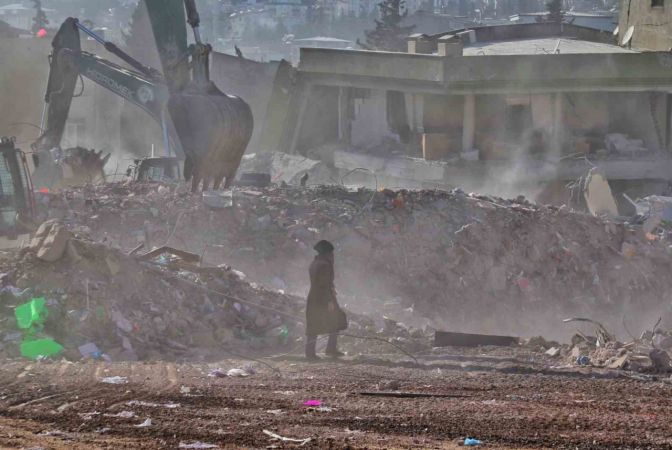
[(17, 203)]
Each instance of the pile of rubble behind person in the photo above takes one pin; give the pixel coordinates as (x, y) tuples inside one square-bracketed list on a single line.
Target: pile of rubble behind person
[(464, 262), (103, 303)]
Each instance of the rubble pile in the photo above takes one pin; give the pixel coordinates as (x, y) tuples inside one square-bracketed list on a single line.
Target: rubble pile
[(104, 303), (464, 262)]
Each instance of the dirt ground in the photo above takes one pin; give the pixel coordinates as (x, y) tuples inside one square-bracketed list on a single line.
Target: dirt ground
[(505, 400)]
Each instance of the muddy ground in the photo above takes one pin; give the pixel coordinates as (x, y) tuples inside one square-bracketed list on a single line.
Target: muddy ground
[(506, 399)]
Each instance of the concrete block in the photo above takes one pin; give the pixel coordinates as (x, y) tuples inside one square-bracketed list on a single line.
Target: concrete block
[(50, 241)]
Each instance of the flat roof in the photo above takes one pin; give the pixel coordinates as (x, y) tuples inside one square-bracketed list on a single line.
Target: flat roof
[(541, 46), (321, 39)]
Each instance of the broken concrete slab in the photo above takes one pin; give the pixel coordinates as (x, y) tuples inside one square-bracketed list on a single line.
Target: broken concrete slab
[(553, 351), (50, 241), (288, 168), (619, 363), (598, 195)]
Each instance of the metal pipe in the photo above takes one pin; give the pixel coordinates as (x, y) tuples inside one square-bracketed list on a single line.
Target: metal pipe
[(90, 33)]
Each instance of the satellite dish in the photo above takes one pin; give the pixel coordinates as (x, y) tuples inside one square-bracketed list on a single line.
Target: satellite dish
[(616, 31), (628, 36)]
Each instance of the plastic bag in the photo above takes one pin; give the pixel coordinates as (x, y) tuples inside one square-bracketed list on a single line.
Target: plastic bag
[(30, 314)]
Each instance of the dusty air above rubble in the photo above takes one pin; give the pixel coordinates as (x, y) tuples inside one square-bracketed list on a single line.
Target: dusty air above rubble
[(364, 224)]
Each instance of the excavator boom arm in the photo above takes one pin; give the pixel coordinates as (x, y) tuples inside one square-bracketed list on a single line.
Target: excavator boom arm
[(68, 62)]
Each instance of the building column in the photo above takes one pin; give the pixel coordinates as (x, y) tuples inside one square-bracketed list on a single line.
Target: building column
[(558, 122), (344, 133), (418, 113), (469, 122), (300, 118), (668, 122)]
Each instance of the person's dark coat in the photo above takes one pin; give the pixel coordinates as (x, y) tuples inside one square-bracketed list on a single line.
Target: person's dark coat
[(319, 319)]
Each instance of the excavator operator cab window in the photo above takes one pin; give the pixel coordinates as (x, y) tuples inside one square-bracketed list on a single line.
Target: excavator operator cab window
[(8, 209)]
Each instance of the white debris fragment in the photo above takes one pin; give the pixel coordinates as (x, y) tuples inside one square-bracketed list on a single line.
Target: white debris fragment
[(114, 380), (237, 373), (301, 442), (197, 445), (122, 415), (145, 424), (153, 405)]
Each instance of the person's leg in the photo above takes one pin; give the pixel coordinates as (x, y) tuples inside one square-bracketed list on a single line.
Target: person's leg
[(311, 343), (332, 346)]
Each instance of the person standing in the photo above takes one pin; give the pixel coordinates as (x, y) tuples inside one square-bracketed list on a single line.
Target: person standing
[(323, 315)]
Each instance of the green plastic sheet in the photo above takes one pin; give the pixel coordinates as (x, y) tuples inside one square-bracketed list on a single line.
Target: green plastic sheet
[(40, 348), (32, 313), (30, 318)]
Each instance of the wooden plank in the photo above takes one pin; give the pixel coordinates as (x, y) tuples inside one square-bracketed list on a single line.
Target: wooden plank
[(397, 394), (450, 339)]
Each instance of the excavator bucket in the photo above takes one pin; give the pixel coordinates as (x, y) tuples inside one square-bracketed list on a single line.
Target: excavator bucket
[(214, 130)]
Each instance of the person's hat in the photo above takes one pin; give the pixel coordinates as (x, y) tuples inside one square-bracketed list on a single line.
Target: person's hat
[(324, 247)]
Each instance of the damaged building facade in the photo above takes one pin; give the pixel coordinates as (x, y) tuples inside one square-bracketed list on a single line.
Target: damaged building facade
[(645, 24), (505, 109)]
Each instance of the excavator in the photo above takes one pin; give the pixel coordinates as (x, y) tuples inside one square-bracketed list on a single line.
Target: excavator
[(207, 127)]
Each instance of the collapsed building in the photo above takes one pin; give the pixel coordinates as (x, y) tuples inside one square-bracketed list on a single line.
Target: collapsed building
[(506, 109)]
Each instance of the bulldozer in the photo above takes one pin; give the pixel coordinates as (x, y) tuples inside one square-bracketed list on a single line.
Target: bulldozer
[(200, 123)]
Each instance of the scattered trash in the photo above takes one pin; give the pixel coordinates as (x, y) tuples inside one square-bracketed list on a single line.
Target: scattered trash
[(275, 412), (114, 380), (122, 415), (471, 442), (31, 314), (217, 373), (197, 445), (312, 403), (147, 423), (40, 348), (275, 436), (323, 409), (237, 373), (553, 351), (89, 416), (91, 351), (583, 360), (152, 405), (185, 390)]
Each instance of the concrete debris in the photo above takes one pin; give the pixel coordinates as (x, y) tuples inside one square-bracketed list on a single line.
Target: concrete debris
[(107, 305), (655, 209), (639, 355), (410, 248), (114, 380), (50, 241), (553, 352), (598, 195), (622, 145)]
